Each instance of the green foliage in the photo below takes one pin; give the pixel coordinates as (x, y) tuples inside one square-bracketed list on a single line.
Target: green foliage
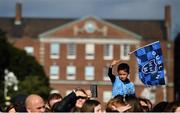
[(31, 85), (29, 72)]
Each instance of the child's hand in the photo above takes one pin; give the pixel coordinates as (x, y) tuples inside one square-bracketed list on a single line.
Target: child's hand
[(115, 62)]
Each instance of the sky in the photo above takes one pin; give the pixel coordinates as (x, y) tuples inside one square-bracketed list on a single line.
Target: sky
[(105, 9)]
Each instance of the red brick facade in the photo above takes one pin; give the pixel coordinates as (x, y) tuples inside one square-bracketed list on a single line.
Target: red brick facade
[(37, 35), (114, 35)]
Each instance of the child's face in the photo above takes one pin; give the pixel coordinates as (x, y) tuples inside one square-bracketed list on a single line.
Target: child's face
[(123, 75)]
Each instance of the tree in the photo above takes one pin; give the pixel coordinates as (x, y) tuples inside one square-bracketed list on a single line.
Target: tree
[(31, 76)]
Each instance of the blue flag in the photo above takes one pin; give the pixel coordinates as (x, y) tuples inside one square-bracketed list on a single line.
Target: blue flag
[(150, 62)]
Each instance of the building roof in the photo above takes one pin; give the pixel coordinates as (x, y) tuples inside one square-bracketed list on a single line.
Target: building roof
[(32, 27)]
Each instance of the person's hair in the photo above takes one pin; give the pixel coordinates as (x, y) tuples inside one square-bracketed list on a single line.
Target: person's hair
[(89, 105), (17, 107), (148, 103), (116, 101), (171, 107), (120, 97), (76, 109), (123, 66), (11, 106), (160, 107), (134, 103), (54, 96)]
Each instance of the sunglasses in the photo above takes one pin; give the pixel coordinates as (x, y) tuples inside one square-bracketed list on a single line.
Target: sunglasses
[(82, 97)]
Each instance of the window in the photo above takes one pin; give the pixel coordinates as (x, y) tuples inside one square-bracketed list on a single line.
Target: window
[(54, 50), (71, 51), (89, 73), (54, 72), (71, 72), (125, 49), (29, 50), (105, 73), (108, 52), (107, 95), (90, 51)]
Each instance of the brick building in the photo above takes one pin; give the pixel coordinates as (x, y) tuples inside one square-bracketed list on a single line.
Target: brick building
[(77, 52)]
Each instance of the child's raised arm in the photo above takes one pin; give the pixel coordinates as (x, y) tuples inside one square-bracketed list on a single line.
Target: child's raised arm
[(110, 74), (114, 62)]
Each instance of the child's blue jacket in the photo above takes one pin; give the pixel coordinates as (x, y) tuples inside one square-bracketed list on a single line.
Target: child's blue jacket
[(121, 87)]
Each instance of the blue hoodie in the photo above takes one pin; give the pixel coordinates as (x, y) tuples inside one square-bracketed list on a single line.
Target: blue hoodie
[(121, 87)]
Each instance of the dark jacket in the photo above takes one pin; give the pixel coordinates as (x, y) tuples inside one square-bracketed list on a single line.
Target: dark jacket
[(66, 104)]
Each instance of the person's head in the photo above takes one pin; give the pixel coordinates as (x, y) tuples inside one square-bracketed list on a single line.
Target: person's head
[(53, 98), (123, 71), (117, 104), (160, 107), (11, 109), (173, 107), (35, 103), (81, 98), (92, 106), (134, 103), (19, 102), (146, 104)]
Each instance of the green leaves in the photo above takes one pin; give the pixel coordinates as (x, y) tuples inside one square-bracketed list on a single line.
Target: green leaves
[(29, 72), (33, 84)]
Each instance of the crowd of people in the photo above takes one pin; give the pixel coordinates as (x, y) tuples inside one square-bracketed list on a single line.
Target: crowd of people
[(123, 99), (80, 100)]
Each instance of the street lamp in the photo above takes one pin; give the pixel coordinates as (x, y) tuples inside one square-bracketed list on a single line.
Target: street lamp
[(10, 80)]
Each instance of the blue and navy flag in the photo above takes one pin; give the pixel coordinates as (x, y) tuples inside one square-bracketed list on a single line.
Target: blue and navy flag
[(150, 62)]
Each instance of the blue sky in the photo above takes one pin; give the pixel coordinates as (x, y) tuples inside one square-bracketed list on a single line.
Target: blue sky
[(108, 9)]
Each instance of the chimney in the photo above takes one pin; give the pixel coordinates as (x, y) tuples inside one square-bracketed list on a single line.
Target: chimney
[(168, 20), (18, 14)]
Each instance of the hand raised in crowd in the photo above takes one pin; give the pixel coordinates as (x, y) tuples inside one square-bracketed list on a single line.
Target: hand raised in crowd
[(114, 62), (80, 92)]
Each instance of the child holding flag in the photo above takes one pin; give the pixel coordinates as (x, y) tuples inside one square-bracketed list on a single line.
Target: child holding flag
[(121, 84)]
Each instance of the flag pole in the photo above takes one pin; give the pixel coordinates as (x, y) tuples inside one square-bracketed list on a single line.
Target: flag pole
[(134, 50), (142, 47), (131, 52)]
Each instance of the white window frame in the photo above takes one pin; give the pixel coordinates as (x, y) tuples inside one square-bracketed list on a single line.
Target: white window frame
[(89, 76), (70, 69), (54, 75), (122, 55), (54, 55), (29, 50), (71, 48), (107, 95), (109, 48), (90, 51), (105, 73)]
